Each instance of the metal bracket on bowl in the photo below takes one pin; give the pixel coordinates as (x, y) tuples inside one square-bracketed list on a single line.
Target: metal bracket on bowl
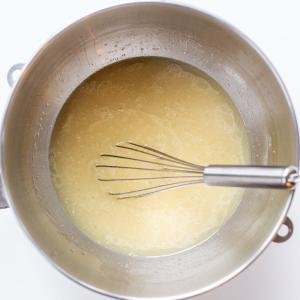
[(10, 74), (11, 81), (279, 238), (3, 203)]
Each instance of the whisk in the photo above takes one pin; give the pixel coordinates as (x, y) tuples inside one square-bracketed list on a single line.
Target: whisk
[(185, 173)]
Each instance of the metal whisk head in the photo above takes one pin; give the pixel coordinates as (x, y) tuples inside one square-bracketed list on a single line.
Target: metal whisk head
[(155, 161)]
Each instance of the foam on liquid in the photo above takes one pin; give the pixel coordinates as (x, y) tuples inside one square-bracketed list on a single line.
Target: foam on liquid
[(165, 105)]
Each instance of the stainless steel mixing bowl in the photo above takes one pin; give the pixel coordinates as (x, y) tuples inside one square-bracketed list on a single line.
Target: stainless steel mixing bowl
[(115, 34)]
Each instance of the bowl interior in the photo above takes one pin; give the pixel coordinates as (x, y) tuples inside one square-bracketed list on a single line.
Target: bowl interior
[(111, 35)]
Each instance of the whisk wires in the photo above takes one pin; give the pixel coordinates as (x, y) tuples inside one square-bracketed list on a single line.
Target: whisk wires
[(186, 173)]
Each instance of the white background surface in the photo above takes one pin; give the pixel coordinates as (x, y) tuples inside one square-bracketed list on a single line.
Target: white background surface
[(24, 27)]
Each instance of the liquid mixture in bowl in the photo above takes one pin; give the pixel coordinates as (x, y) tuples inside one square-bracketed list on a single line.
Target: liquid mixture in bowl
[(165, 105)]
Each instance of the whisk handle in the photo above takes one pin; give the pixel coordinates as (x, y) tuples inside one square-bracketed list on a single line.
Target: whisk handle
[(251, 176)]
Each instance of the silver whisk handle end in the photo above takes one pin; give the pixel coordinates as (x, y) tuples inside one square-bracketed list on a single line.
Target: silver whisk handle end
[(252, 176)]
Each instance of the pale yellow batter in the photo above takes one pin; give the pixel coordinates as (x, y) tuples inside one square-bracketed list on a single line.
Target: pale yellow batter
[(165, 105)]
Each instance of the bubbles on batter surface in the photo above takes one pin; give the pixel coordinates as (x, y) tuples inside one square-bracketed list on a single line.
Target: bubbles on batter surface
[(163, 104)]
